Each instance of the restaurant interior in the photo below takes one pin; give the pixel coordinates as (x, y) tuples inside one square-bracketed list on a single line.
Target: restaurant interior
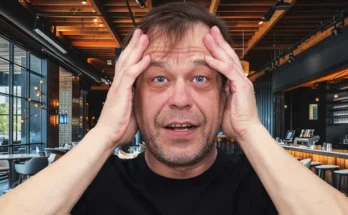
[(57, 62)]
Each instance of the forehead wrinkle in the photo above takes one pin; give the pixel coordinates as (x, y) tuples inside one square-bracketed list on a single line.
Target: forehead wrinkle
[(163, 64)]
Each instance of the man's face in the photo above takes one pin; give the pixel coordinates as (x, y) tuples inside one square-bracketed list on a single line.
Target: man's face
[(179, 101)]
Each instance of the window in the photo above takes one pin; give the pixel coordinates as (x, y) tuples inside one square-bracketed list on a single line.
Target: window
[(313, 111), (20, 104), (20, 57), (35, 64), (4, 76), (20, 120), (4, 48), (4, 124)]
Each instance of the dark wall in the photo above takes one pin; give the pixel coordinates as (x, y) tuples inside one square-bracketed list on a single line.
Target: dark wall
[(95, 101), (324, 58), (264, 100), (297, 111), (52, 78)]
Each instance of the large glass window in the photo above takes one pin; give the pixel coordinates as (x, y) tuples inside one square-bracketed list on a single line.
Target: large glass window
[(4, 48), (19, 81), (20, 120), (35, 64), (20, 100), (35, 123), (20, 57), (4, 76), (4, 124)]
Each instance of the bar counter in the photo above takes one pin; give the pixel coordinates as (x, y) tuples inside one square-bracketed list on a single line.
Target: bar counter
[(337, 157)]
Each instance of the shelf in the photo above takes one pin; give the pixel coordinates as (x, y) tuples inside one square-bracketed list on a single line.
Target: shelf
[(336, 91), (343, 116), (338, 109), (338, 102)]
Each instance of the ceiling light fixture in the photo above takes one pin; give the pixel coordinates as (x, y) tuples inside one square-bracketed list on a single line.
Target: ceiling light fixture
[(281, 5), (141, 3), (291, 57), (48, 39), (84, 2), (335, 31)]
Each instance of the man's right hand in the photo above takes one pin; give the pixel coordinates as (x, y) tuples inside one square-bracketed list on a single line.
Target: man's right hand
[(117, 120)]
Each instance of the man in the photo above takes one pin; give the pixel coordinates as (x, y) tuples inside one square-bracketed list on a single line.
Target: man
[(170, 82)]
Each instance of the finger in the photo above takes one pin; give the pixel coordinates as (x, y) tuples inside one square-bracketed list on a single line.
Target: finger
[(130, 74), (136, 35), (216, 34), (138, 50), (215, 49), (230, 72)]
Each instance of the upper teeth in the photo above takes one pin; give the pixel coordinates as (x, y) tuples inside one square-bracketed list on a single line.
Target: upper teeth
[(180, 125)]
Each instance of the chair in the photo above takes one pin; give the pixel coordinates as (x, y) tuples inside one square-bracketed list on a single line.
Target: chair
[(4, 169), (321, 170), (338, 175), (31, 167), (54, 154), (51, 158), (306, 162)]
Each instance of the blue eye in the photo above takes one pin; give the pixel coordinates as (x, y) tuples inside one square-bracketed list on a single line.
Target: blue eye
[(160, 79), (200, 79)]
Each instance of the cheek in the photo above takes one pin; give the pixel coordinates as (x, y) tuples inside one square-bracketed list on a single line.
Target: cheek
[(209, 105), (148, 106)]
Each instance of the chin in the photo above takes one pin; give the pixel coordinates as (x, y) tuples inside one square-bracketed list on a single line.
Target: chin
[(179, 153)]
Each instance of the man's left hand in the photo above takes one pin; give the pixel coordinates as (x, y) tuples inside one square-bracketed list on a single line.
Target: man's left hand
[(240, 114)]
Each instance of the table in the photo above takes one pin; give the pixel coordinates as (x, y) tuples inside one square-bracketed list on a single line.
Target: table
[(12, 158)]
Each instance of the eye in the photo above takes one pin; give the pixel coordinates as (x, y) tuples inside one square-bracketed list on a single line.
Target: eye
[(160, 79), (199, 79)]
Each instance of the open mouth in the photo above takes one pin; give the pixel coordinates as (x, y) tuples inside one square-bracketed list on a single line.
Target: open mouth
[(180, 127)]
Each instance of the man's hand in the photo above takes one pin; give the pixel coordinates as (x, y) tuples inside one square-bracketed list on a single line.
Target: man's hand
[(117, 120), (240, 113)]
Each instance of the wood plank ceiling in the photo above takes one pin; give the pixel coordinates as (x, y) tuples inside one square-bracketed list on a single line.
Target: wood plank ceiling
[(97, 27)]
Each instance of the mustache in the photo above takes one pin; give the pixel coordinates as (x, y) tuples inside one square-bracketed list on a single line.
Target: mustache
[(179, 115)]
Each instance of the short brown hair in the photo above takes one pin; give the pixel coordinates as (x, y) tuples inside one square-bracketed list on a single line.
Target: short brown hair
[(173, 20)]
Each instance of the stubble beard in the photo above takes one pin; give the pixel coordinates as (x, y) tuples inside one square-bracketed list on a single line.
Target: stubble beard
[(205, 145)]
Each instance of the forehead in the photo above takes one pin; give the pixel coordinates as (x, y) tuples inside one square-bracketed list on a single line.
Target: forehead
[(191, 47)]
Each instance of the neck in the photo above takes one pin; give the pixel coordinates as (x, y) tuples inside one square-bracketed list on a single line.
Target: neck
[(180, 172)]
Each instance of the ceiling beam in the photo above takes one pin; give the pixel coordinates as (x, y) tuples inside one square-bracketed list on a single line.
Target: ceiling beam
[(99, 44), (250, 3), (107, 21), (149, 4), (214, 4), (124, 9), (263, 30)]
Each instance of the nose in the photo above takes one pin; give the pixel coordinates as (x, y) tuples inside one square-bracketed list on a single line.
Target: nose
[(180, 97)]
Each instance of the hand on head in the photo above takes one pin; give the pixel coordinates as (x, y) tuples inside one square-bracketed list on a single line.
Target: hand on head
[(117, 117), (240, 112)]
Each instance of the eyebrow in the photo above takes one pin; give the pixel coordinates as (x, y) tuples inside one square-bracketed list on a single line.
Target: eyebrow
[(162, 63)]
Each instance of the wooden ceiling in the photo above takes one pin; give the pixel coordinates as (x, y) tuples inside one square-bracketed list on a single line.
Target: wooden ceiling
[(96, 28)]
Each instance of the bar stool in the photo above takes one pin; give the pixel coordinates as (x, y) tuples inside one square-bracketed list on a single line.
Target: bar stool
[(321, 170), (338, 174), (313, 165)]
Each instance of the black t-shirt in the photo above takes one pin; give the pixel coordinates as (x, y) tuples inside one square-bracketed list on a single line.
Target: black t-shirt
[(229, 186)]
